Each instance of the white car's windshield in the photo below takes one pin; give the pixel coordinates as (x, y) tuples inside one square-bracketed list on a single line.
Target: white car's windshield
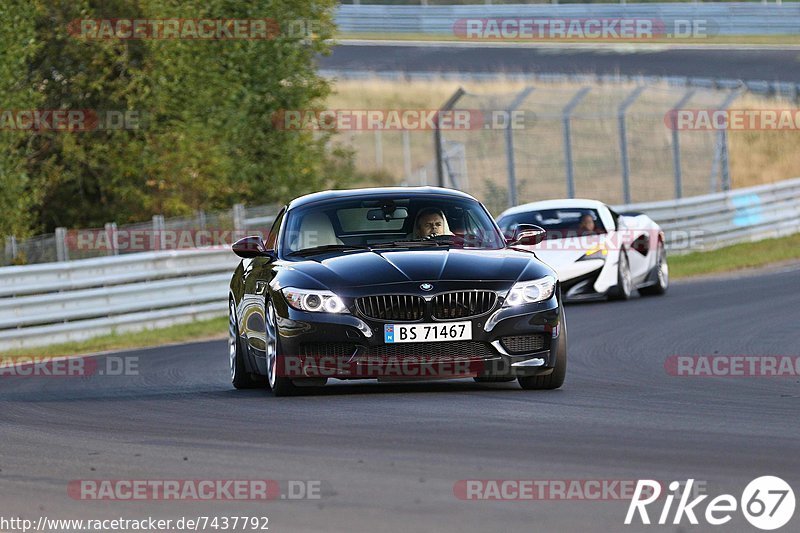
[(559, 223)]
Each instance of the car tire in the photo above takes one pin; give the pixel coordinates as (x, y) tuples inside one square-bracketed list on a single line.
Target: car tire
[(554, 379), (662, 274), (279, 385), (624, 287), (240, 378)]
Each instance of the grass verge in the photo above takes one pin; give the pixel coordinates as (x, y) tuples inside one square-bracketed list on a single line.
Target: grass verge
[(735, 257), (214, 328), (728, 259)]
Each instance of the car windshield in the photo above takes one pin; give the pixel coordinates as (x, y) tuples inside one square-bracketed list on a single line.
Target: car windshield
[(559, 223), (391, 222)]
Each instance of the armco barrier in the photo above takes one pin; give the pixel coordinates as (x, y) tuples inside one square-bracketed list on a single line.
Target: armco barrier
[(733, 216), (719, 18), (58, 302), (74, 300)]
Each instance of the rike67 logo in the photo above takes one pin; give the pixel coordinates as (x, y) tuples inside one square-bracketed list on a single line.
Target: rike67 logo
[(767, 503)]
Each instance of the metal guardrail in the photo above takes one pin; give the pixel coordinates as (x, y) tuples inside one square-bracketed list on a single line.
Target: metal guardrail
[(74, 300), (60, 302), (729, 18), (726, 218)]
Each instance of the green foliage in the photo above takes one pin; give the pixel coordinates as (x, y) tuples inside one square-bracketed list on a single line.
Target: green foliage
[(205, 138), (17, 45)]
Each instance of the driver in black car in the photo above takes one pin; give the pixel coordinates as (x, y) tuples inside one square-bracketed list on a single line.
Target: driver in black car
[(430, 222)]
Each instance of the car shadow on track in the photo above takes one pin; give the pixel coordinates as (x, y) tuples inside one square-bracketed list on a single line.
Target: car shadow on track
[(371, 387)]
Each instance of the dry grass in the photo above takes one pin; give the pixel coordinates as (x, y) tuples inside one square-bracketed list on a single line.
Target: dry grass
[(763, 156), (755, 157)]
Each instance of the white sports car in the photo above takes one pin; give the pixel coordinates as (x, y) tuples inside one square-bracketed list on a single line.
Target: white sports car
[(596, 251)]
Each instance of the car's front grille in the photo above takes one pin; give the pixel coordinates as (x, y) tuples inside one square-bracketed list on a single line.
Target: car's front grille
[(400, 307), (523, 343), (408, 308), (462, 304), (430, 351)]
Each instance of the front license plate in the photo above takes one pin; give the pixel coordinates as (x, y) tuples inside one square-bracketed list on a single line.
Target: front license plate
[(449, 331)]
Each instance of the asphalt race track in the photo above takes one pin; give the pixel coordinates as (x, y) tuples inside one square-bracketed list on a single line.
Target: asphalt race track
[(757, 63), (388, 455)]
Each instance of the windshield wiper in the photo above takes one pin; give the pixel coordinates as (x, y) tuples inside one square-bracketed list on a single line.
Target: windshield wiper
[(327, 248), (412, 244)]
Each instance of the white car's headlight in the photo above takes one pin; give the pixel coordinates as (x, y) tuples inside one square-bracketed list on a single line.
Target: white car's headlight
[(314, 301), (528, 292)]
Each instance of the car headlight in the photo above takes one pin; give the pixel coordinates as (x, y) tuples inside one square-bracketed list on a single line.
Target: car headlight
[(528, 292), (314, 301)]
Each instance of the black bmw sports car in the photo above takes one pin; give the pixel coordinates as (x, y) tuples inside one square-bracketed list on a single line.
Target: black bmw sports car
[(393, 283)]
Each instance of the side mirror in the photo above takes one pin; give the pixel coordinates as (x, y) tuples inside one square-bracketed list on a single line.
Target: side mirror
[(527, 235), (251, 246)]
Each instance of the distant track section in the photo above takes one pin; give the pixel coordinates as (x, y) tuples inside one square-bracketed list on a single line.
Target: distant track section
[(745, 62)]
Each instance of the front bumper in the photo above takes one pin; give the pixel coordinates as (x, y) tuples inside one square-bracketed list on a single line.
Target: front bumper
[(505, 342), (584, 287)]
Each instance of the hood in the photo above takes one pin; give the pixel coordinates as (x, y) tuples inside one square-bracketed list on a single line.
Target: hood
[(359, 269)]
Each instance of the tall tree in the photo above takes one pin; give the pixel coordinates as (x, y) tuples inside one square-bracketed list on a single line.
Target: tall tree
[(205, 138)]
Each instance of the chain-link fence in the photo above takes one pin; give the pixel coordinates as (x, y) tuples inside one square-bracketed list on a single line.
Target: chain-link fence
[(614, 142)]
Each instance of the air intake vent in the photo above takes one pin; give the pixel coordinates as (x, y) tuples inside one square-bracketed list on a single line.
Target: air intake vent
[(523, 343)]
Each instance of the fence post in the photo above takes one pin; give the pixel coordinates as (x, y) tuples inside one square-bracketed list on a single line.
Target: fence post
[(378, 150), (721, 152), (676, 146), (62, 254), (11, 247), (565, 118), (111, 233), (437, 136), (724, 162), (239, 221), (158, 232), (509, 133), (623, 141), (407, 156)]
